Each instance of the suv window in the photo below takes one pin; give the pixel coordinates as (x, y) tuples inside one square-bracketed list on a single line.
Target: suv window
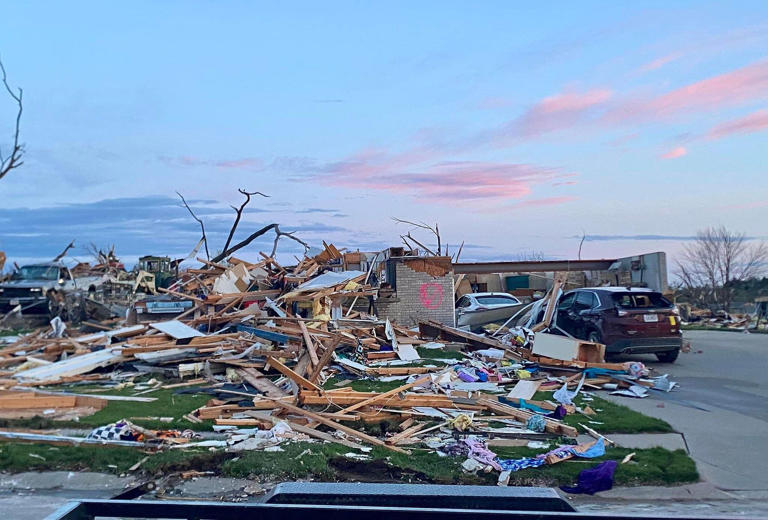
[(463, 302), (585, 300), (566, 301), (644, 300)]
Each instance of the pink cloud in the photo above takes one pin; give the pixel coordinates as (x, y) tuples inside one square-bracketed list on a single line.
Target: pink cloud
[(417, 173), (742, 85), (754, 122), (249, 162), (660, 62), (547, 201), (193, 162), (558, 112), (675, 153)]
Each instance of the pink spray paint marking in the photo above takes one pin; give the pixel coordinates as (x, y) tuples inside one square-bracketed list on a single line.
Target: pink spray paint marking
[(431, 295)]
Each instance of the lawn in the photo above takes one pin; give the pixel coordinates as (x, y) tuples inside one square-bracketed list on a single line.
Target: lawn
[(614, 418), (326, 462), (168, 404)]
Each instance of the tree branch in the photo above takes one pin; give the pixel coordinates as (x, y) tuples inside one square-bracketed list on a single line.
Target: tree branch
[(279, 234), (434, 230), (17, 150), (64, 253), (581, 243), (253, 236), (240, 213), (202, 226)]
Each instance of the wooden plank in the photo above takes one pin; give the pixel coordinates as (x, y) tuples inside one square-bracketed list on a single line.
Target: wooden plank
[(324, 359), (261, 424), (15, 403), (385, 395), (433, 329), (180, 295), (552, 303), (524, 415), (308, 431), (406, 433), (260, 382), (287, 372), (337, 426), (310, 343), (342, 399)]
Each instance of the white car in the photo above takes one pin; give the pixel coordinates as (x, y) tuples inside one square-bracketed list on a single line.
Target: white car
[(477, 309)]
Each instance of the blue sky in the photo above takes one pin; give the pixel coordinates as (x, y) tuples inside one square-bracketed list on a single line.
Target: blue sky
[(516, 127)]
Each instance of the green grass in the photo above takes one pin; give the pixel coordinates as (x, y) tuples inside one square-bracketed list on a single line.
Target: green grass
[(16, 457), (14, 332), (363, 385), (616, 418), (439, 353), (326, 461), (167, 404), (654, 466)]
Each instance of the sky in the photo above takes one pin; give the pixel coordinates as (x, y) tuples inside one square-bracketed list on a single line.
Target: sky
[(517, 128)]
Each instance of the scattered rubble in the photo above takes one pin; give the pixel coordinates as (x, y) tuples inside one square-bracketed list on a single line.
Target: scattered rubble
[(279, 350)]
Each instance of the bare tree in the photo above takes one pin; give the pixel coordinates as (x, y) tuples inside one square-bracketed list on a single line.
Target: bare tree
[(718, 257), (202, 226), (434, 230), (581, 243), (17, 149), (64, 253), (530, 256), (278, 235), (239, 212), (228, 250)]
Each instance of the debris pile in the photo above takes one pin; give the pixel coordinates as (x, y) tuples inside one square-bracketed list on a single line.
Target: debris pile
[(292, 353)]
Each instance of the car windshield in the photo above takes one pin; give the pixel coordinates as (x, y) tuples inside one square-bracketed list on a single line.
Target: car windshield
[(36, 272), (644, 300), (496, 300)]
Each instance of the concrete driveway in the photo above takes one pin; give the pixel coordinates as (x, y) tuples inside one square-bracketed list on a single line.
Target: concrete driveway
[(726, 373)]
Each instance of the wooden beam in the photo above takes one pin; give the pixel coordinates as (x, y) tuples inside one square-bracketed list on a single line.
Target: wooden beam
[(287, 372), (524, 415), (385, 395), (324, 359), (260, 382), (307, 430), (310, 343), (339, 427)]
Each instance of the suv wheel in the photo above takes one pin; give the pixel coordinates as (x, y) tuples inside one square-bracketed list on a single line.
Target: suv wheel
[(668, 357)]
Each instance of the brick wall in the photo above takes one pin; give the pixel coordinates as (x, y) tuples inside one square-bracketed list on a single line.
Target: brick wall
[(418, 296)]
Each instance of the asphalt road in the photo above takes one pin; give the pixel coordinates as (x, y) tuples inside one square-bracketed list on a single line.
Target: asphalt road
[(721, 406)]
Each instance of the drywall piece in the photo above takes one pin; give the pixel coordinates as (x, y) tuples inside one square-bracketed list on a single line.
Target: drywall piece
[(407, 353), (72, 366), (524, 389), (176, 329), (556, 347)]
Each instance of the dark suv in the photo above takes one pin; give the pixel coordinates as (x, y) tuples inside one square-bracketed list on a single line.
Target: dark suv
[(626, 320)]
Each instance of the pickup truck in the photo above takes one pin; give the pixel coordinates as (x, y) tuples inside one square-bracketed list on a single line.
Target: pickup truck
[(42, 288)]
